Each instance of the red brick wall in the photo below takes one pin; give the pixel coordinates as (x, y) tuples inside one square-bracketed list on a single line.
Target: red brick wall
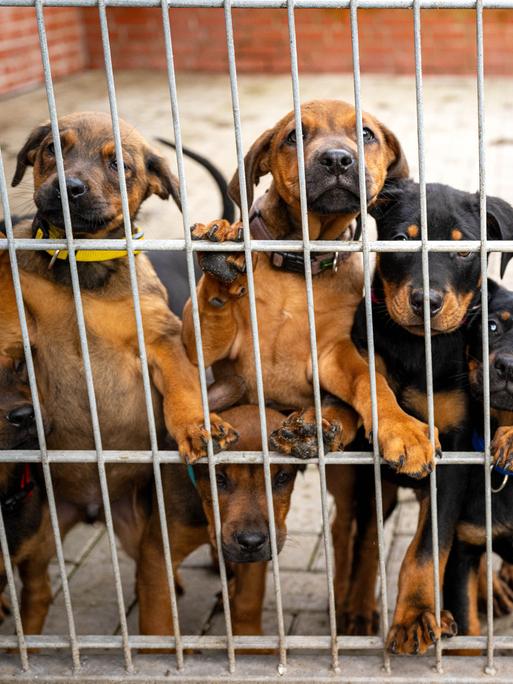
[(386, 41), (261, 39), (20, 57)]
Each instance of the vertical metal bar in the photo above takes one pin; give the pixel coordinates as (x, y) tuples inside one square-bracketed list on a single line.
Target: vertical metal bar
[(328, 551), (254, 330), (82, 330), (111, 89), (230, 648), (490, 667), (38, 416), (4, 547), (353, 11), (427, 314)]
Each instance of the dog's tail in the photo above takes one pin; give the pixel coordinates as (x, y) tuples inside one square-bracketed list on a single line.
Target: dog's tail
[(220, 180)]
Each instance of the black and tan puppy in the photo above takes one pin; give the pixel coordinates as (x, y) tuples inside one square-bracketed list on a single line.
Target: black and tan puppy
[(95, 206), (454, 299), (22, 499), (329, 129), (461, 587), (246, 544)]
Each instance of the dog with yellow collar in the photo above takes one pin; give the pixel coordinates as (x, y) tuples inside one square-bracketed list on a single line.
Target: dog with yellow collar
[(92, 185)]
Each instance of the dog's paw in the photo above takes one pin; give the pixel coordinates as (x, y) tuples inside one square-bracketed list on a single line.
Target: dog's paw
[(223, 435), (405, 446), (415, 636), (298, 435), (358, 624), (501, 448), (227, 268)]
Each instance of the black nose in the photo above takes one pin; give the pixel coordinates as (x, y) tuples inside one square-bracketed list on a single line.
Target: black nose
[(22, 417), (74, 187), (250, 540), (336, 161), (504, 366), (436, 301)]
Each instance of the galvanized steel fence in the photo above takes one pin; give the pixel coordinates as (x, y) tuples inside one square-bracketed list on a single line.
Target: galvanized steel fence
[(333, 657)]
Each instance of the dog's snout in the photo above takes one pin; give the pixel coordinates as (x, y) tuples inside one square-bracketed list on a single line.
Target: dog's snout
[(251, 540), (436, 301), (336, 161), (21, 417), (74, 187), (504, 366)]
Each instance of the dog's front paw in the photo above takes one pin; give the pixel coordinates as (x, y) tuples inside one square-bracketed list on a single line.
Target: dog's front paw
[(502, 448), (227, 268), (193, 440), (298, 435), (223, 435), (416, 635), (405, 445), (358, 624)]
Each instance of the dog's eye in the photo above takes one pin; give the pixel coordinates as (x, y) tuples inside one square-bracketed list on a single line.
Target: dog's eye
[(492, 326), (291, 139), (464, 255), (50, 149), (368, 135), (222, 481), (282, 478), (113, 163), (401, 236)]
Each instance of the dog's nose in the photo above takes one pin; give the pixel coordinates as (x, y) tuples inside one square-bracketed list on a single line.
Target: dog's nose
[(75, 188), (436, 301), (251, 540), (504, 366), (336, 161), (22, 417)]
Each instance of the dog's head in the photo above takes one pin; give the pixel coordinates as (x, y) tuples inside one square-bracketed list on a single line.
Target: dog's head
[(454, 277), (331, 159), (242, 494), (91, 172), (243, 507), (17, 425), (500, 339)]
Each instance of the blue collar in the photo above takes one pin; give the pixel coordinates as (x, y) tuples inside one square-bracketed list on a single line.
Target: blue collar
[(191, 474)]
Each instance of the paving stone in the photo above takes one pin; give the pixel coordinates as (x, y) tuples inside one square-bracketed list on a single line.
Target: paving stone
[(217, 625), (298, 551), (305, 514), (300, 591), (407, 517)]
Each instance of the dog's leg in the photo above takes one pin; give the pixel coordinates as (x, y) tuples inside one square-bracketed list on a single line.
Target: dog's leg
[(248, 597), (177, 380), (341, 481), (36, 593), (403, 440)]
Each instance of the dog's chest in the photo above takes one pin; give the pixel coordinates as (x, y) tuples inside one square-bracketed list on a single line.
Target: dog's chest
[(284, 335)]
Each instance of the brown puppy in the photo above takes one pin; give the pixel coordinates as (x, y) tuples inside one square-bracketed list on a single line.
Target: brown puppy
[(244, 521), (329, 129), (95, 207)]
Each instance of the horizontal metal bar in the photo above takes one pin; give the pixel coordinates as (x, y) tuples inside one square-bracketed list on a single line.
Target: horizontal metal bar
[(308, 643), (243, 457), (178, 245), (268, 4)]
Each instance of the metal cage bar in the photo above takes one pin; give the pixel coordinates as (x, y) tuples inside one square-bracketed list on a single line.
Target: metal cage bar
[(283, 642)]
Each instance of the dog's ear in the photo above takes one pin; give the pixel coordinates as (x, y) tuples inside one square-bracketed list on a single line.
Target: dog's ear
[(499, 220), (256, 164), (27, 154), (161, 180), (398, 166)]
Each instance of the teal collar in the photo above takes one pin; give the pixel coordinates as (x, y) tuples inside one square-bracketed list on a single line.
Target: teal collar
[(191, 474)]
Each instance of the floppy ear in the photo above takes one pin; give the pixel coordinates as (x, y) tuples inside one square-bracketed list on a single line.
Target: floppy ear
[(27, 154), (499, 219), (398, 165), (161, 181), (256, 164)]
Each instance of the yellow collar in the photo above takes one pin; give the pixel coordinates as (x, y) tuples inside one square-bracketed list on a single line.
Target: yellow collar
[(54, 233)]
